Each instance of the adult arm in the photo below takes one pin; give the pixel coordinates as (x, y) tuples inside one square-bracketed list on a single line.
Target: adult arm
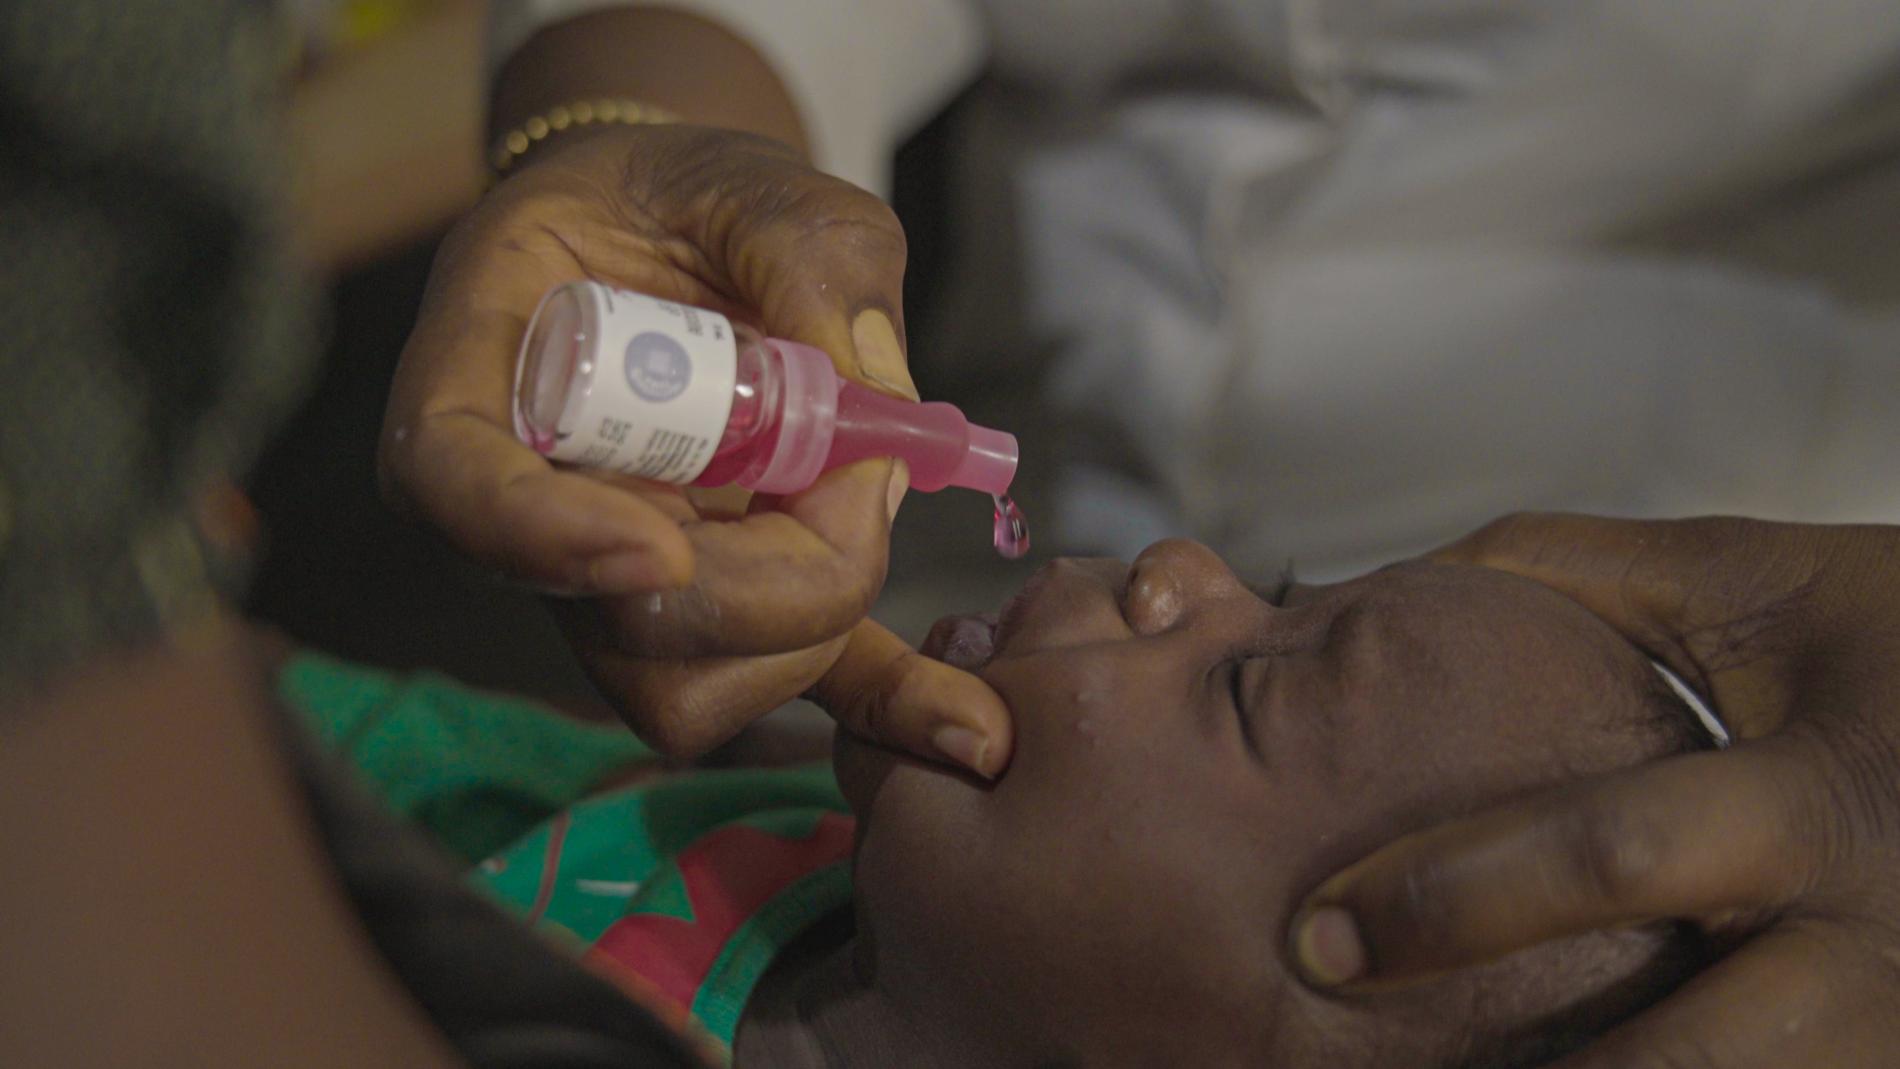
[(862, 74), (694, 621)]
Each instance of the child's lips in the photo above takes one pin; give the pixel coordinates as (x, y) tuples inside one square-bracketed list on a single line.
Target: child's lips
[(970, 641), (966, 642)]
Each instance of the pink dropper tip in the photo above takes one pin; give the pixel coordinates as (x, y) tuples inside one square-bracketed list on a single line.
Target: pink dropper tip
[(990, 463)]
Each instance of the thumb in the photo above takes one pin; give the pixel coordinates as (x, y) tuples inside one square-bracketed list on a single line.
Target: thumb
[(821, 260), (1705, 836), (882, 689)]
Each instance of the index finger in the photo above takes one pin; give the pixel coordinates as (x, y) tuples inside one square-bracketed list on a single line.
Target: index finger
[(1706, 836), (782, 578), (882, 689)]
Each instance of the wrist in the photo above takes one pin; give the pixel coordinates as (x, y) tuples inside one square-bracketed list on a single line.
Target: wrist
[(566, 124), (681, 64)]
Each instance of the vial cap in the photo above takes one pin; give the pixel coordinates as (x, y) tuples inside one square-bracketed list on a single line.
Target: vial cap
[(809, 414)]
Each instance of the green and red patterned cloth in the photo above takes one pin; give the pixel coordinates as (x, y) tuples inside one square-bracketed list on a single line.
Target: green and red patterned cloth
[(684, 891), (681, 890)]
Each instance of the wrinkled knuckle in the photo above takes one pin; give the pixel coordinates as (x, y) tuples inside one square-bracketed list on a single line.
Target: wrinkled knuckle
[(851, 590), (673, 735), (850, 698), (696, 620), (637, 708), (910, 681), (675, 720), (656, 626), (1611, 856), (1848, 803), (866, 705), (723, 146), (855, 222), (879, 221), (867, 716)]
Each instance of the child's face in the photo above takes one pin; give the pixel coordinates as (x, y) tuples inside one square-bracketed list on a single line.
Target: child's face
[(1189, 760)]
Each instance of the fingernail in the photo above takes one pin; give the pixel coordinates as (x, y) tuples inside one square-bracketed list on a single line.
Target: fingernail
[(1327, 948), (880, 356), (626, 572), (899, 485), (962, 746)]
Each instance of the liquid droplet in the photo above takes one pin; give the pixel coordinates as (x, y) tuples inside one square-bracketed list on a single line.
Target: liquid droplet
[(1012, 531)]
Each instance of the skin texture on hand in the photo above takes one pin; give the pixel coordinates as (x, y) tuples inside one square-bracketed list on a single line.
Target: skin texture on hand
[(1786, 847), (694, 621)]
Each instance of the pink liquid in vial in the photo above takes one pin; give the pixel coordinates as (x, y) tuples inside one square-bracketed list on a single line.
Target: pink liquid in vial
[(790, 416), (1012, 531)]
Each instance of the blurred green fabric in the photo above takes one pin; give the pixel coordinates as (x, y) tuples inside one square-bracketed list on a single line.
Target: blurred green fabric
[(475, 769)]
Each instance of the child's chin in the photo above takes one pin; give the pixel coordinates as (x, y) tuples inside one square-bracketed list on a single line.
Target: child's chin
[(866, 769)]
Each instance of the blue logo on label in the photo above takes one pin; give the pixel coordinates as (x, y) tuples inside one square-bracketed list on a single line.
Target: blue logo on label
[(658, 368)]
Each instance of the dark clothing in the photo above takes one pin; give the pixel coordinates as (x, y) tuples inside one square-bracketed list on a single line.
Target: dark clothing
[(154, 326), (504, 997), (154, 330)]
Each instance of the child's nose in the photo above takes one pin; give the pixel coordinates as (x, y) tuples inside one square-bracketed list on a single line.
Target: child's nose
[(1168, 579)]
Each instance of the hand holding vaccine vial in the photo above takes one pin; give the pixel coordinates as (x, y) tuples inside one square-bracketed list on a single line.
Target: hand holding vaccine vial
[(627, 383)]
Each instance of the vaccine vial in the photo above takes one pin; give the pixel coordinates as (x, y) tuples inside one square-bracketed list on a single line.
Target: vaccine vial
[(660, 390)]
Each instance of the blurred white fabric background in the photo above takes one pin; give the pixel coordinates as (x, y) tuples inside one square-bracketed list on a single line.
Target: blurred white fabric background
[(1339, 279)]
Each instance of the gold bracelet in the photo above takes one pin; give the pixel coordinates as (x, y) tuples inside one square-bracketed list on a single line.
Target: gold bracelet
[(515, 143)]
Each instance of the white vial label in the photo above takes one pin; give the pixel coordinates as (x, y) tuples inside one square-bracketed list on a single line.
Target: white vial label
[(658, 392)]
